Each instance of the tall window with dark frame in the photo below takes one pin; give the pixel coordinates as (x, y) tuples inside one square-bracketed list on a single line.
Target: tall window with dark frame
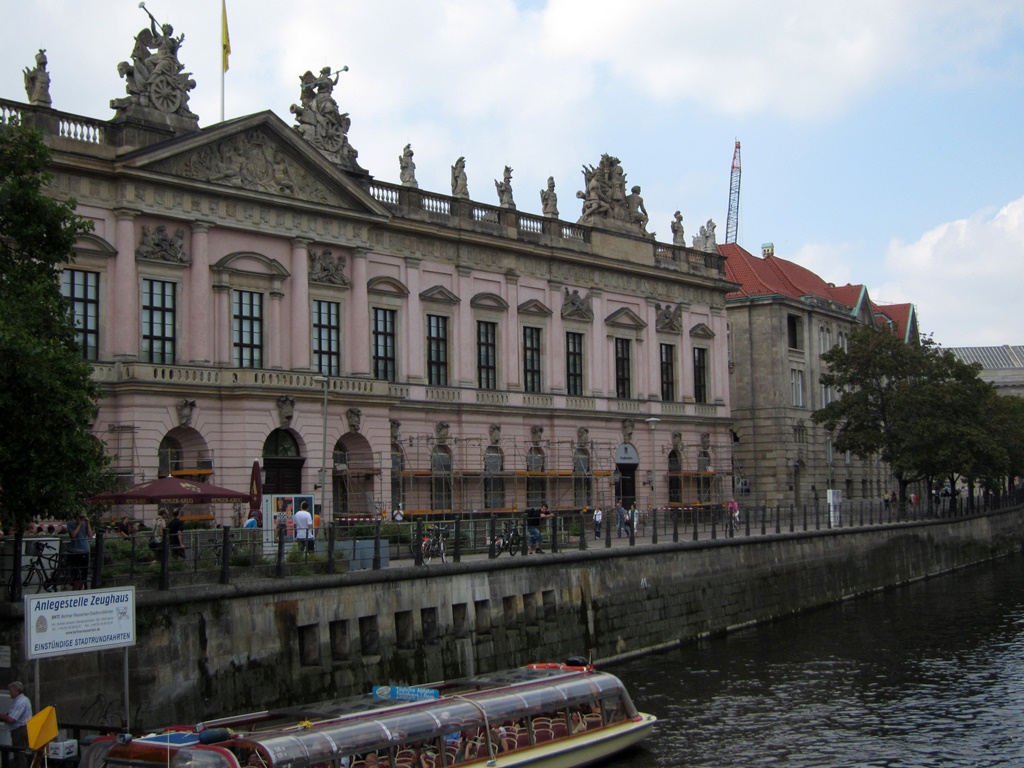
[(441, 485), (536, 487), (531, 359), (437, 350), (623, 382), (668, 373), (82, 290), (487, 355), (494, 482), (327, 337), (247, 329), (384, 354), (158, 321), (574, 364), (700, 374)]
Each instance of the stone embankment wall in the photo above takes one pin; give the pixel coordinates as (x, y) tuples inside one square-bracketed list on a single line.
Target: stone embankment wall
[(217, 650)]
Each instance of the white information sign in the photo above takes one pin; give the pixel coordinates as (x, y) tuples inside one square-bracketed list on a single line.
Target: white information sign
[(63, 623)]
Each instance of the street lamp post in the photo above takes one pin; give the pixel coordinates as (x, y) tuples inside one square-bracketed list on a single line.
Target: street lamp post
[(652, 422), (323, 455)]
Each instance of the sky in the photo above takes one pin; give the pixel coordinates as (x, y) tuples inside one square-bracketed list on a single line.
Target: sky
[(880, 139)]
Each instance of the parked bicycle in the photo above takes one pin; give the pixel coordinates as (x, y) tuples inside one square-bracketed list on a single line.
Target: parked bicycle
[(509, 540), (48, 569), (433, 543)]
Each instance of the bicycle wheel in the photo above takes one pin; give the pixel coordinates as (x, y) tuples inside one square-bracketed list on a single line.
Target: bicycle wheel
[(440, 549), (514, 543)]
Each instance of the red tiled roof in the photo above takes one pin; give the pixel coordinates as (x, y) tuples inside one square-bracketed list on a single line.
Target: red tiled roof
[(900, 315), (773, 276)]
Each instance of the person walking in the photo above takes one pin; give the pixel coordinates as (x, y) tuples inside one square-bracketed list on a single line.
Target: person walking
[(78, 550), (620, 518), (174, 530), (598, 518), (304, 528)]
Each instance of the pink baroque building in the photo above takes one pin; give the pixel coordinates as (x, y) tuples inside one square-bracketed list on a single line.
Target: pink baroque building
[(250, 292)]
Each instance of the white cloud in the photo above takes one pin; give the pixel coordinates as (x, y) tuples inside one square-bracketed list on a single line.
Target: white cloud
[(964, 277)]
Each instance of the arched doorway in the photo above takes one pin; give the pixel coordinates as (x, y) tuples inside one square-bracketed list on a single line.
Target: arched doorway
[(626, 462), (282, 463), (354, 478)]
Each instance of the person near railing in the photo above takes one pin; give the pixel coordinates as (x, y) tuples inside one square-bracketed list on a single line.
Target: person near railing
[(17, 717), (78, 550)]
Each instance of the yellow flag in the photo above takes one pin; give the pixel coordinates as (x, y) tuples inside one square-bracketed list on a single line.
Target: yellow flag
[(41, 728), (225, 40)]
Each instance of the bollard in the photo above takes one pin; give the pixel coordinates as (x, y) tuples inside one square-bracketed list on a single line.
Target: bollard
[(281, 531), (583, 531), (654, 526), (675, 527), (418, 544), (457, 555), (225, 554), (165, 558), (491, 554), (376, 545), (526, 536), (608, 530), (554, 532), (331, 566), (694, 511)]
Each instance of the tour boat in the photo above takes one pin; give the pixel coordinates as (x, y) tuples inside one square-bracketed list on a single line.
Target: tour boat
[(551, 715)]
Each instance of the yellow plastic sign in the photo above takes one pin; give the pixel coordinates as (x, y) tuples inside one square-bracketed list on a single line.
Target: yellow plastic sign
[(42, 728)]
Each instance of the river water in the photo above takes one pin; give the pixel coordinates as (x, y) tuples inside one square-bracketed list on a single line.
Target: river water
[(923, 676)]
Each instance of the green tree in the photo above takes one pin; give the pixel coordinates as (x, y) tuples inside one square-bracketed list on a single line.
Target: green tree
[(50, 462)]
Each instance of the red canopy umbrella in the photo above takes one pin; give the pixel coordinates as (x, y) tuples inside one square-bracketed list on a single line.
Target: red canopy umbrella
[(171, 490)]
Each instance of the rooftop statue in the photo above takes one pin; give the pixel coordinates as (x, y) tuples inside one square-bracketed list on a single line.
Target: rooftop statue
[(549, 200), (705, 240), (605, 202), (505, 190), (460, 188), (320, 122), (678, 235), (407, 168), (154, 79), (37, 82)]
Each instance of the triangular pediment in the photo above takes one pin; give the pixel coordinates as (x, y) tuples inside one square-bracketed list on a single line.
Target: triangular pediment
[(257, 153), (439, 295), (534, 307), (625, 318), (701, 331)]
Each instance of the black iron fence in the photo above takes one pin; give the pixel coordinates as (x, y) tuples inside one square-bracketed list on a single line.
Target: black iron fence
[(222, 555)]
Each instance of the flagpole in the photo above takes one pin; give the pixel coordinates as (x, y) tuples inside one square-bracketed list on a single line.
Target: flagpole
[(225, 50)]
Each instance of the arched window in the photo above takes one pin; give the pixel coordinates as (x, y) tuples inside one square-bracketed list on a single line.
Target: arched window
[(168, 456), (283, 463), (440, 478), (494, 483), (581, 479), (535, 485), (675, 480)]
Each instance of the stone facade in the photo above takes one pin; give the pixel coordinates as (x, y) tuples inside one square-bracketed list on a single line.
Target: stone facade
[(235, 266), (781, 320)]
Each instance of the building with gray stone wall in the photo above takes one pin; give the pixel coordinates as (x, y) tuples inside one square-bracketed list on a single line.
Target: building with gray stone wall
[(782, 318)]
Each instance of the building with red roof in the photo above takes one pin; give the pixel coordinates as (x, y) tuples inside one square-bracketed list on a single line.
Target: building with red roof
[(782, 317)]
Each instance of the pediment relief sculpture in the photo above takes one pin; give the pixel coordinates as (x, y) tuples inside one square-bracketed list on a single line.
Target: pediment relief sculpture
[(251, 160), (576, 307), (325, 267), (669, 320), (157, 245)]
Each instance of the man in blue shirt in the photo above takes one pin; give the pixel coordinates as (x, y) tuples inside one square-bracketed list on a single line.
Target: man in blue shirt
[(17, 716)]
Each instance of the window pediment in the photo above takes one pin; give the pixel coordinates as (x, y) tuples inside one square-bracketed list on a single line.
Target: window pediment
[(488, 301), (701, 331), (439, 295), (387, 286), (625, 318), (534, 307), (249, 263)]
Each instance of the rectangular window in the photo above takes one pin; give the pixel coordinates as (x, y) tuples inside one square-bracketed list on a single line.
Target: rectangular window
[(700, 375), (158, 321), (796, 385), (794, 332), (437, 350), (531, 359), (327, 337), (384, 354), (247, 329), (487, 355), (82, 290), (574, 364), (623, 383), (668, 373)]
